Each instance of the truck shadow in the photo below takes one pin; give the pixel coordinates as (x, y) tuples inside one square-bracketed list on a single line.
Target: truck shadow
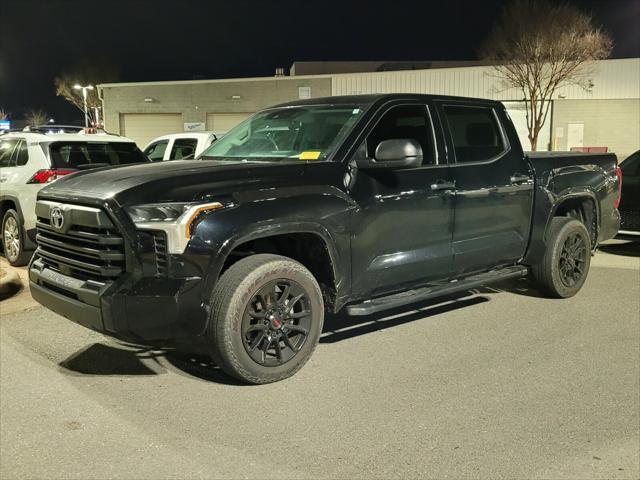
[(122, 359), (627, 249)]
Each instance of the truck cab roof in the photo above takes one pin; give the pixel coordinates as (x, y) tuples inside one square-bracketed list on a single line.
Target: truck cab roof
[(370, 99)]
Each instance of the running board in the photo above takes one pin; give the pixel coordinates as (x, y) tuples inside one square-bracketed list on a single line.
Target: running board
[(411, 296)]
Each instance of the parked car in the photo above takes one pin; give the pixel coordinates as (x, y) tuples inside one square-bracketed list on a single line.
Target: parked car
[(178, 146), (29, 160), (362, 203), (630, 198)]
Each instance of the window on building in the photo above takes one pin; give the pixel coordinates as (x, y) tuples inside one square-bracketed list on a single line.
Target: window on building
[(156, 150), (475, 133), (183, 147), (404, 122)]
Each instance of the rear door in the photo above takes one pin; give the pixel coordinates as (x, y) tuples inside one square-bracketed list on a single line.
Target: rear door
[(494, 186)]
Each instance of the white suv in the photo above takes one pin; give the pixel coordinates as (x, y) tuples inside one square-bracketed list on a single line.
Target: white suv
[(30, 160), (177, 146)]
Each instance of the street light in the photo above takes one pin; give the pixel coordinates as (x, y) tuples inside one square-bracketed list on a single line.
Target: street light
[(84, 89)]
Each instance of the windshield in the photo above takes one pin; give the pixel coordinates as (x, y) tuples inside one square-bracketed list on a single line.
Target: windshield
[(77, 154), (310, 132)]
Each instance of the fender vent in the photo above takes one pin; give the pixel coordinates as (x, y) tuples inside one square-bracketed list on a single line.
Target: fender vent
[(160, 251)]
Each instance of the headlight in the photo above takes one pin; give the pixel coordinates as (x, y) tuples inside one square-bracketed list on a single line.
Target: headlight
[(176, 219), (157, 212)]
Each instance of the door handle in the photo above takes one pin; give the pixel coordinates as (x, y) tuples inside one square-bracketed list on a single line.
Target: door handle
[(440, 186), (519, 178)]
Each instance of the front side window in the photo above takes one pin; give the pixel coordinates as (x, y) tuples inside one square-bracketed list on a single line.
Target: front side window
[(155, 151), (404, 122), (87, 154), (475, 133), (183, 147), (7, 148), (311, 132)]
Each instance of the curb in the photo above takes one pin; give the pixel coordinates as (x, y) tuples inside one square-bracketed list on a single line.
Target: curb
[(10, 283)]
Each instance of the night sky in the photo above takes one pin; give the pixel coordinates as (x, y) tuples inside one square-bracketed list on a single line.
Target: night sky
[(185, 39)]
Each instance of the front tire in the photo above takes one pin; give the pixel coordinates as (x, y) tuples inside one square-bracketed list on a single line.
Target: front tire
[(13, 239), (266, 318), (565, 265)]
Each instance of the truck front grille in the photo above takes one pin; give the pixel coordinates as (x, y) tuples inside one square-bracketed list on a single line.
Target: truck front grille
[(88, 245)]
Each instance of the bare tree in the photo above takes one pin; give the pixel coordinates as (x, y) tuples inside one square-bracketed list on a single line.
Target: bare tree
[(36, 117), (85, 74), (539, 46)]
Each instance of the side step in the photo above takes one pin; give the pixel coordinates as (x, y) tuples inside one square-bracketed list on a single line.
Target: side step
[(411, 296)]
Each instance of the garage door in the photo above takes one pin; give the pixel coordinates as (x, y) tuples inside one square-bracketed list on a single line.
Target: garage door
[(223, 122), (144, 127)]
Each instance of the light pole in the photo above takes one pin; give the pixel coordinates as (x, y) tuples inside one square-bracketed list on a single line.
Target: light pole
[(84, 96)]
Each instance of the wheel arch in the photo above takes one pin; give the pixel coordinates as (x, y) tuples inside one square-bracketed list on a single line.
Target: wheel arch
[(7, 202), (549, 205), (288, 239), (581, 205)]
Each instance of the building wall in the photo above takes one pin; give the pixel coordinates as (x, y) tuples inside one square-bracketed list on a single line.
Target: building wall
[(610, 79), (607, 123), (195, 99), (610, 110)]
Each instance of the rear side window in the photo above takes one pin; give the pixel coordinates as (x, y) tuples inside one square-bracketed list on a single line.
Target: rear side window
[(183, 147), (155, 151), (475, 133), (21, 154), (85, 154), (7, 148)]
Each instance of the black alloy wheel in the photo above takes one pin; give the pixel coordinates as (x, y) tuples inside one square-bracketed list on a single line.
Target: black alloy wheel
[(266, 318), (564, 267), (573, 259), (276, 322)]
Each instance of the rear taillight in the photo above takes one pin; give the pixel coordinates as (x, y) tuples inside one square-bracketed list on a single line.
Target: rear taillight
[(48, 175), (619, 175)]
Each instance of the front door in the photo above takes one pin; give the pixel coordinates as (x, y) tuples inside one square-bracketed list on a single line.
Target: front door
[(494, 187), (402, 226)]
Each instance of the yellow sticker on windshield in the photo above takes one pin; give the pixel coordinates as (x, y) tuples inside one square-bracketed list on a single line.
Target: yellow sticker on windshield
[(310, 155)]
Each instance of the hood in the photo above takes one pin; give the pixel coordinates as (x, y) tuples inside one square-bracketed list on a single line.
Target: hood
[(180, 181)]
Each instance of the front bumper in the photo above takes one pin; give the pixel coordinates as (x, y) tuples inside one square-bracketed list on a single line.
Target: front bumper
[(149, 309)]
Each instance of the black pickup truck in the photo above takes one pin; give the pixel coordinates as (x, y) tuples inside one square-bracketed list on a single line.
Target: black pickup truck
[(363, 203)]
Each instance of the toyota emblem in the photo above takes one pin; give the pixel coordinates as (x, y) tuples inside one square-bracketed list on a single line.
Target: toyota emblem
[(57, 217)]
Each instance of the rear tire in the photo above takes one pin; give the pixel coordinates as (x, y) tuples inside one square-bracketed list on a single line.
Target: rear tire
[(565, 265), (13, 239), (266, 318)]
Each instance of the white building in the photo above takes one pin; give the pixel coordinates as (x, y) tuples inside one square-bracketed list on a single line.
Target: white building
[(607, 115)]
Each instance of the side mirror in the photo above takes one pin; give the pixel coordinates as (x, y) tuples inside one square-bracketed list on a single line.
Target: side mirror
[(395, 153)]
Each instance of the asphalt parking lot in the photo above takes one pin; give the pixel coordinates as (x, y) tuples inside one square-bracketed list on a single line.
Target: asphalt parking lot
[(500, 383)]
